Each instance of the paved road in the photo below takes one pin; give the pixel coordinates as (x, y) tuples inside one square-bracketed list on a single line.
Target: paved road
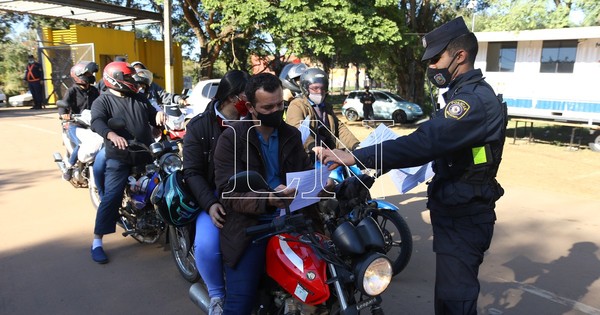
[(544, 258)]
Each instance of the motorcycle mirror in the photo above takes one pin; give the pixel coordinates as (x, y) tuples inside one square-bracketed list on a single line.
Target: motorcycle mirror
[(61, 104), (116, 123), (247, 181)]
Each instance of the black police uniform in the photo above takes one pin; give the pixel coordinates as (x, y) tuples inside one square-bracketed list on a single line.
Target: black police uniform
[(465, 141)]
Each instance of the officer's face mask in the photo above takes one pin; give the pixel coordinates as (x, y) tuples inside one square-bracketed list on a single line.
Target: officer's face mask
[(441, 77), (30, 60)]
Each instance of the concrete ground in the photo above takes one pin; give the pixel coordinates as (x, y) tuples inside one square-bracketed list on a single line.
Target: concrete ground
[(544, 258)]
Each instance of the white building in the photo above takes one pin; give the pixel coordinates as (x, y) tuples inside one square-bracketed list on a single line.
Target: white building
[(550, 73)]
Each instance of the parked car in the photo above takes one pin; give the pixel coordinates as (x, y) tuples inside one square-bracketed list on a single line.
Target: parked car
[(2, 98), (25, 99), (387, 106), (200, 96)]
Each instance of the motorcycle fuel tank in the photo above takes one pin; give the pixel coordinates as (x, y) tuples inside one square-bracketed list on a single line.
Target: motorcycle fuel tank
[(296, 268)]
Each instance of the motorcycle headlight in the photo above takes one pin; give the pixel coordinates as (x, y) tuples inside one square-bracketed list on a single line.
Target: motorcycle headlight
[(373, 274), (170, 163)]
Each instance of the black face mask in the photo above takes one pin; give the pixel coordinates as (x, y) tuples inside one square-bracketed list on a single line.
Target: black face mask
[(90, 79), (440, 77), (272, 120)]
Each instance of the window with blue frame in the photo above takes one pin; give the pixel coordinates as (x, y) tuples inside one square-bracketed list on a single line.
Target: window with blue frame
[(501, 57), (558, 56)]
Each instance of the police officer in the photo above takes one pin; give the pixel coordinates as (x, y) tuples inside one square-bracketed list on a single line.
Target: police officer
[(465, 141)]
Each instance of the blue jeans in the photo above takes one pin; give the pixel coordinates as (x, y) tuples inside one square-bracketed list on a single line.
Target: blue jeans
[(99, 168), (241, 282), (108, 211), (208, 255), (72, 132)]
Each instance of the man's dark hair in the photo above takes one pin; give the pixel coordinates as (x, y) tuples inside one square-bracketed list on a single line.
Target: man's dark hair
[(266, 81), (467, 42), (232, 83)]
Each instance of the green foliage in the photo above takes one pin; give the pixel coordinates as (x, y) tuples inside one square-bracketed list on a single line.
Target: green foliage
[(514, 15), (12, 65)]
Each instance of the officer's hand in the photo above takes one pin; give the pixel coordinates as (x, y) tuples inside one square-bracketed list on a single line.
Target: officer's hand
[(117, 140), (334, 158), (217, 214)]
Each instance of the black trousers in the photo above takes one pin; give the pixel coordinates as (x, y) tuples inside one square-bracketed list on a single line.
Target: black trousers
[(37, 92), (459, 244), (368, 112)]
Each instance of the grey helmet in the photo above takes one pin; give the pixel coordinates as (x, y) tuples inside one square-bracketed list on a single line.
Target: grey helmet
[(313, 75), (290, 74), (144, 76)]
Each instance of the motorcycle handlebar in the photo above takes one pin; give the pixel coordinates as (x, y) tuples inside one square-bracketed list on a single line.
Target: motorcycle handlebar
[(280, 224)]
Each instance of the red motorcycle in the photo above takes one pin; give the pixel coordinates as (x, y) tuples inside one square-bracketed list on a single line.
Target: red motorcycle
[(313, 273)]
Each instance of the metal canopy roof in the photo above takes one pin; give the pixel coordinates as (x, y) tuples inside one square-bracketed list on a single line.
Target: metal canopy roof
[(82, 10)]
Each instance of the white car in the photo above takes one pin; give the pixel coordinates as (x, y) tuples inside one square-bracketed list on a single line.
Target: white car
[(200, 96), (21, 100)]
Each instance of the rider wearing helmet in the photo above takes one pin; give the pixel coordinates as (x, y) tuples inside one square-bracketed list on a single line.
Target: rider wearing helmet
[(121, 100), (155, 93), (78, 98), (144, 79), (290, 79), (329, 130)]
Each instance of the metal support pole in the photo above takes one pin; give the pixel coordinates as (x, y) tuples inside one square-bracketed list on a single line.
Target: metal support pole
[(169, 86)]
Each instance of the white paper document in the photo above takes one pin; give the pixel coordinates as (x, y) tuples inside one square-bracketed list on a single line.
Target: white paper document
[(380, 134), (308, 184), (304, 129), (404, 179)]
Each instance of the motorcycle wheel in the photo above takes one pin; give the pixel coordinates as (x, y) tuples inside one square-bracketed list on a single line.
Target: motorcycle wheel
[(94, 195), (182, 250), (397, 236)]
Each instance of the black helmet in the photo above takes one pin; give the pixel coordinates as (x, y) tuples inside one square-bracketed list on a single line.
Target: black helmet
[(290, 74), (79, 70), (313, 75), (174, 202)]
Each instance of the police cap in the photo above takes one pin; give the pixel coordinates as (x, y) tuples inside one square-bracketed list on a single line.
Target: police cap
[(436, 41)]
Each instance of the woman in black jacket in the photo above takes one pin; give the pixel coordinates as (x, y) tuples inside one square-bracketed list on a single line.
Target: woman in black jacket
[(199, 142)]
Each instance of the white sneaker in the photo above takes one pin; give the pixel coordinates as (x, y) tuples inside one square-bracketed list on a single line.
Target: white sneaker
[(216, 306)]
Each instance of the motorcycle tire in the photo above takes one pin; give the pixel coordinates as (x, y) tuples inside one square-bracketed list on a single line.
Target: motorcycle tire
[(181, 242), (397, 236)]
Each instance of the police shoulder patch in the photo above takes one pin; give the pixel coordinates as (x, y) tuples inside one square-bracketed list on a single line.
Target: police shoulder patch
[(456, 109)]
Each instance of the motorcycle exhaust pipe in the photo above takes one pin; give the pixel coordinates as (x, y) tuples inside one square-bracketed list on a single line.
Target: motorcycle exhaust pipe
[(60, 162), (199, 295)]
